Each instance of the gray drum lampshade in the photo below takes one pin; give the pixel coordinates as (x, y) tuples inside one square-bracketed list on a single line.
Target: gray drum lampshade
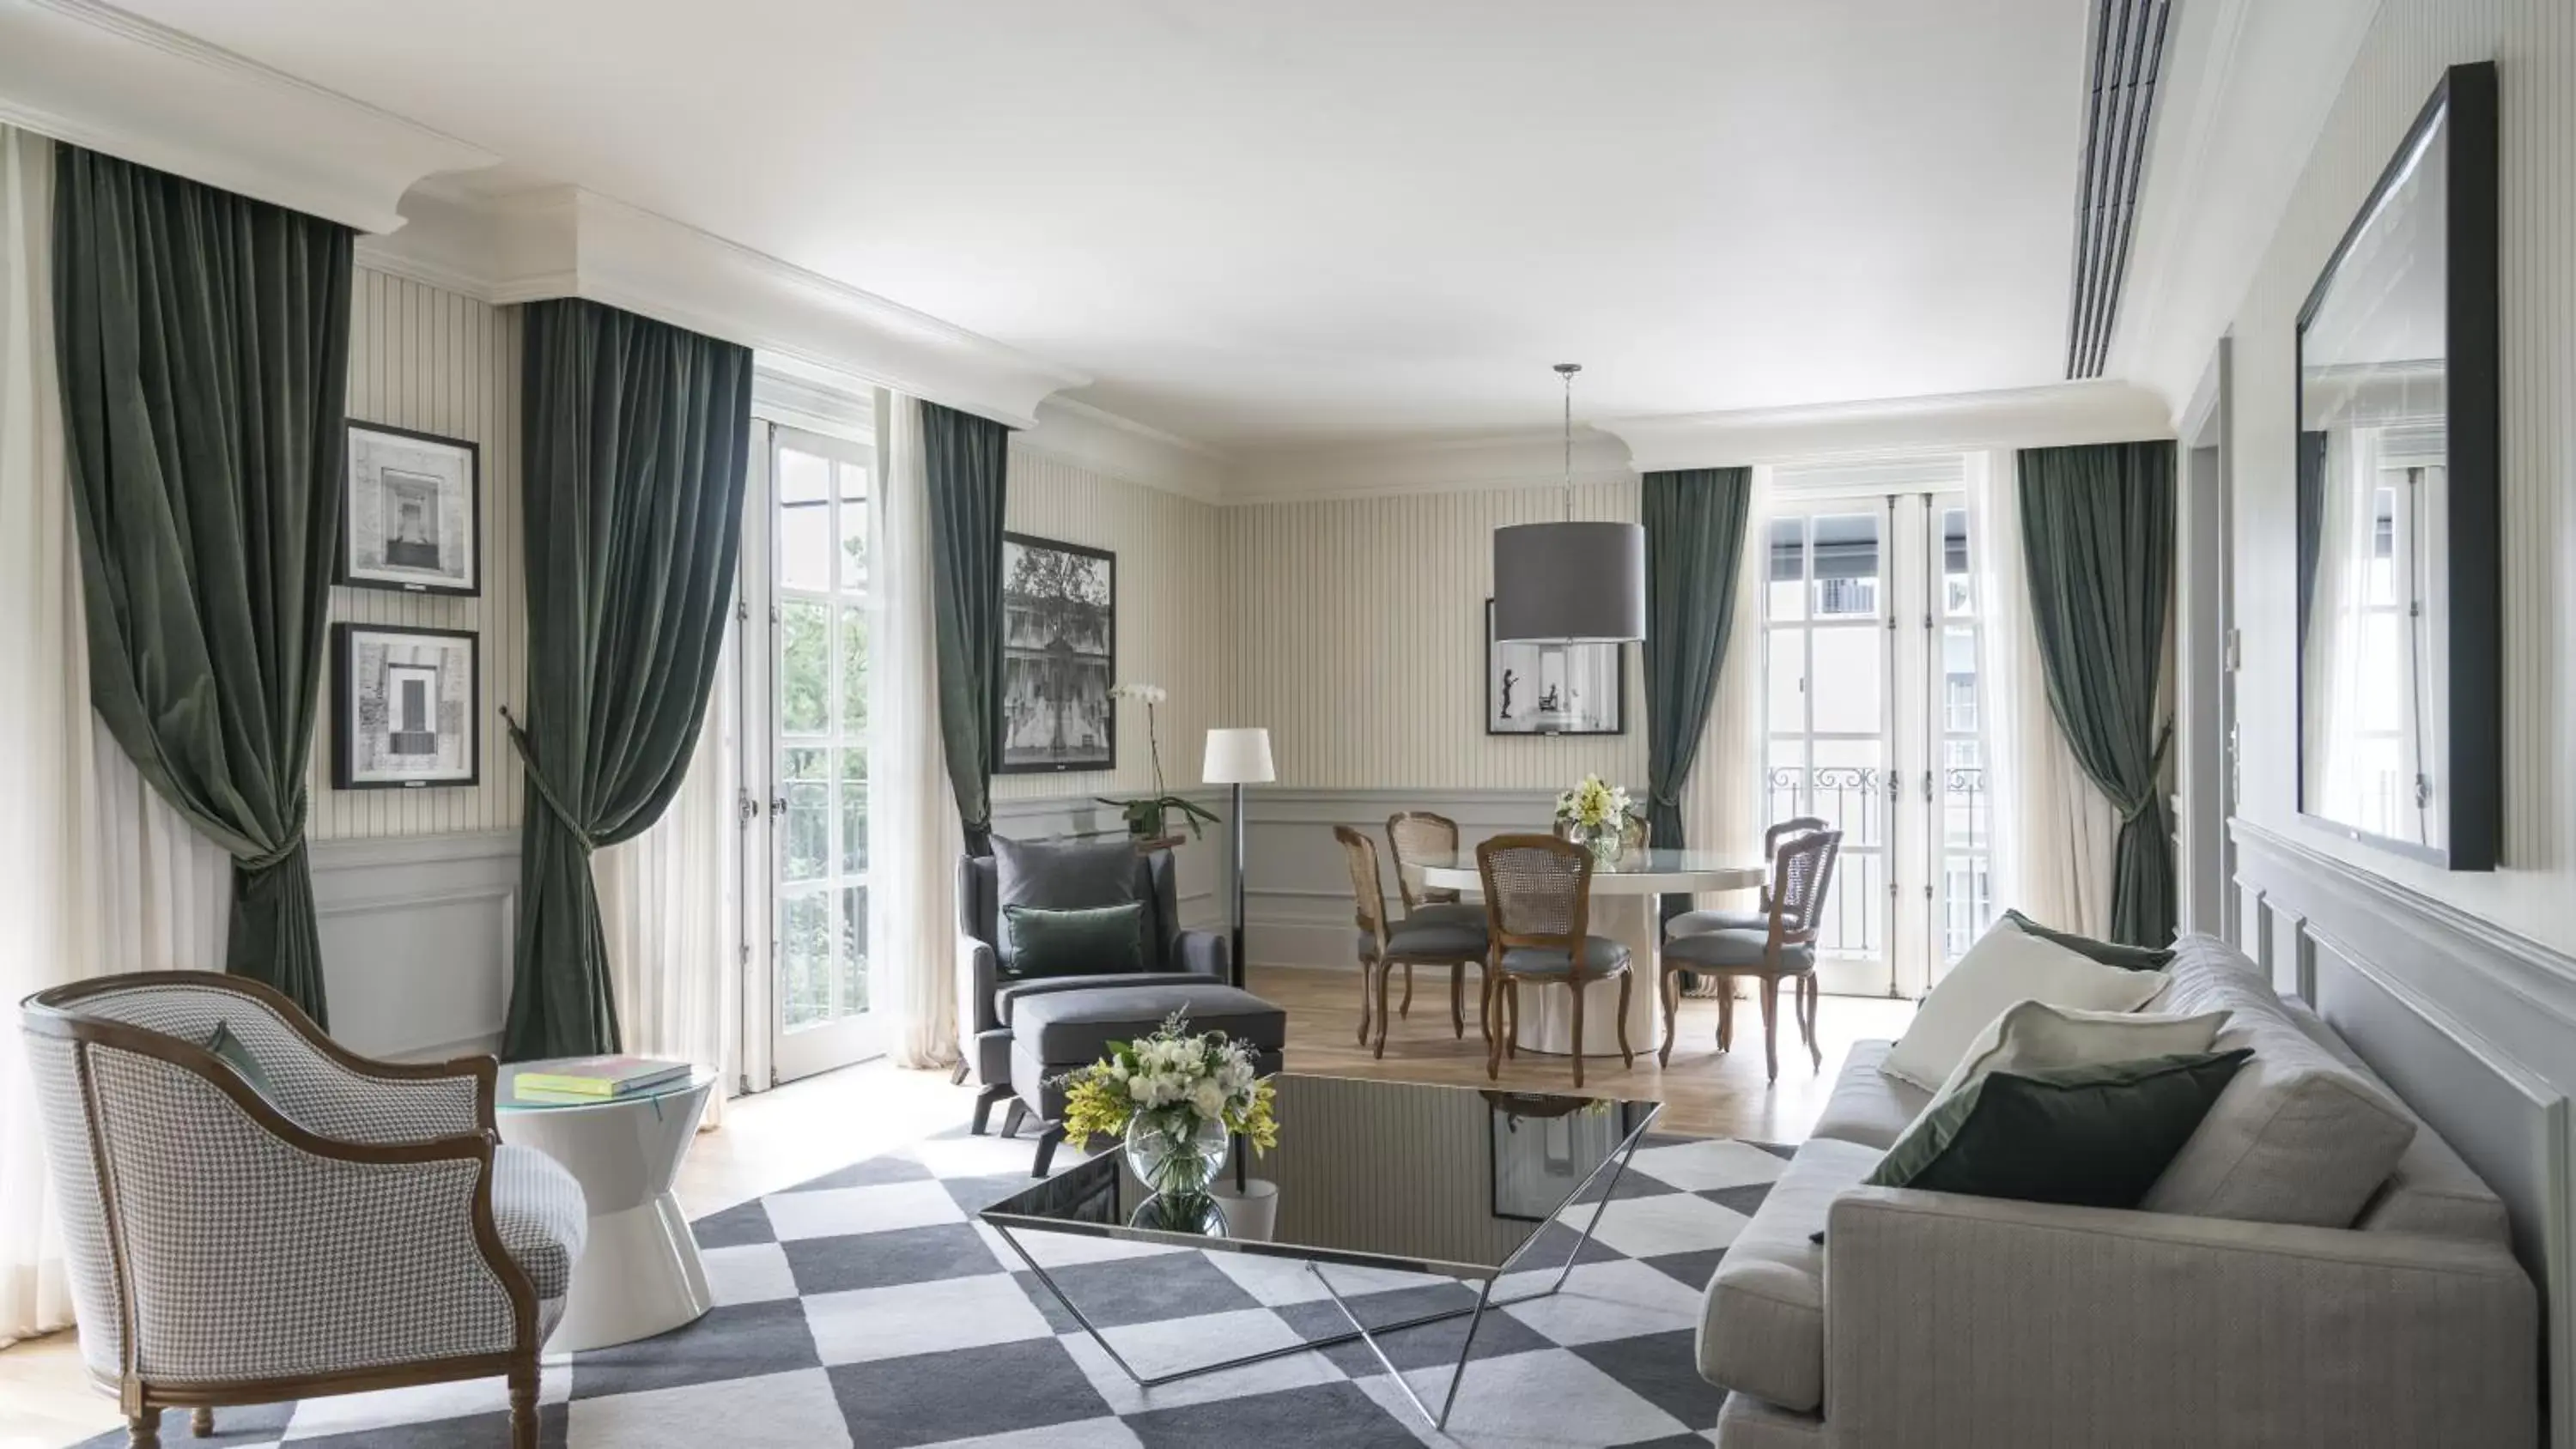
[(1569, 583)]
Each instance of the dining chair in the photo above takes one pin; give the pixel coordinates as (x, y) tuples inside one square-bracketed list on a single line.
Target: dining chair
[(1538, 907), (1421, 837), (1383, 947), (1691, 923), (1801, 875)]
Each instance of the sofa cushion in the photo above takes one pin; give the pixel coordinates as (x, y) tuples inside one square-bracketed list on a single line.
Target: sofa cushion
[(1762, 1322), (2431, 1191), (1868, 1106), (1074, 1028), (2033, 1036), (2299, 1136), (2109, 953), (2005, 966), (2089, 1136), (1010, 994), (1073, 873)]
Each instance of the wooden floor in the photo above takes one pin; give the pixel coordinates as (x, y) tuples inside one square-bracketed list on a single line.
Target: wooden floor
[(810, 1127), (1705, 1094)]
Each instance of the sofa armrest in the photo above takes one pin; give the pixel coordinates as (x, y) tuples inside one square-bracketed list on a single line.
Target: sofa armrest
[(979, 974), (1203, 953), (1953, 1322)]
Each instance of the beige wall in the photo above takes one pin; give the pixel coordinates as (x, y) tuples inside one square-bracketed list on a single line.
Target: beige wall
[(2534, 45), (1360, 641), (438, 362)]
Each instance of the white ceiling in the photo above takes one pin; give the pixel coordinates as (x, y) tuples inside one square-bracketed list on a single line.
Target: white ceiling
[(1333, 220)]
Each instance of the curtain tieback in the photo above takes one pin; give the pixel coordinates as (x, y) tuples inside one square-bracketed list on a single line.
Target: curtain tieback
[(269, 860), (2155, 772), (545, 789)]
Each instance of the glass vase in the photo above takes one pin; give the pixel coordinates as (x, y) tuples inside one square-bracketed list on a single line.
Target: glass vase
[(1607, 844), (1175, 1153)]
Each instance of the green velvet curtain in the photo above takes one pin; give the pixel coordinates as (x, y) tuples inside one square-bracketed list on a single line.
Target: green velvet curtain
[(964, 458), (204, 343), (1694, 542), (2098, 541), (636, 435)]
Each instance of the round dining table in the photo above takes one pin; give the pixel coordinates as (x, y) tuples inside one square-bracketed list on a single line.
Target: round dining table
[(1624, 896)]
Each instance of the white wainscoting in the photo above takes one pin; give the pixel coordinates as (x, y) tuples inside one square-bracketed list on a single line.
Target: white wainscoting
[(2472, 1024), (416, 940)]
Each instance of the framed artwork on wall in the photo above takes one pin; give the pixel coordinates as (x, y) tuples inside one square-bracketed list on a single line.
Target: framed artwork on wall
[(414, 512), (1553, 689), (1059, 656), (407, 708)]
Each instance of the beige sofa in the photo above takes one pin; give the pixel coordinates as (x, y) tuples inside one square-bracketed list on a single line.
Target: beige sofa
[(1937, 1321)]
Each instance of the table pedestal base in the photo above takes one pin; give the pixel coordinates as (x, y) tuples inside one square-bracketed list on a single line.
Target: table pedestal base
[(1547, 1011), (639, 1275)]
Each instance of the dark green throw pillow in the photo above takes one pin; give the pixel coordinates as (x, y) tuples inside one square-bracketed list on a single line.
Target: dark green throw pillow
[(2109, 953), (1094, 942), (229, 1050), (2092, 1136)]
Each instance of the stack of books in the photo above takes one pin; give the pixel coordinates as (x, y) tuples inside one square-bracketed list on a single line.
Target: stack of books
[(596, 1079)]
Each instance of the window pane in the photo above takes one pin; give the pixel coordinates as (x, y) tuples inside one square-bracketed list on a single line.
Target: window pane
[(854, 950), (1958, 585), (1784, 779), (804, 668), (1846, 566), (1785, 687), (804, 520), (1848, 789), (854, 671), (805, 783), (1847, 680), (1785, 591), (854, 810), (805, 958), (1958, 680), (854, 528)]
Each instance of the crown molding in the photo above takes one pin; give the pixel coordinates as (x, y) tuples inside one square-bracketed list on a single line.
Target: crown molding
[(2029, 417), (96, 76), (1439, 465), (564, 241), (1072, 431)]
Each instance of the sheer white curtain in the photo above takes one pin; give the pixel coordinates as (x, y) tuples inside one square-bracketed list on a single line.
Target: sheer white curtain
[(2338, 645), (2053, 828), (914, 837), (96, 873), (1722, 802), (670, 907)]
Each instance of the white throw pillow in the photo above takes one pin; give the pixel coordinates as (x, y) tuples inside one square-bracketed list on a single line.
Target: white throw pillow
[(2005, 966), (2033, 1036)]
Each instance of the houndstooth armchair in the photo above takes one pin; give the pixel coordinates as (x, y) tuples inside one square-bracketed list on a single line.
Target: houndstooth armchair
[(358, 1225)]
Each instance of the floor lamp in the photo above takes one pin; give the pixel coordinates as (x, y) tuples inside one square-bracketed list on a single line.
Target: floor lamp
[(1238, 757)]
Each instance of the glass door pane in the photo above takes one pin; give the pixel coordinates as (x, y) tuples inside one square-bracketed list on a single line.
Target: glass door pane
[(1962, 894)]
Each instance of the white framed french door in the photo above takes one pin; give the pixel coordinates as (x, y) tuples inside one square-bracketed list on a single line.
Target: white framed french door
[(1871, 643), (810, 513)]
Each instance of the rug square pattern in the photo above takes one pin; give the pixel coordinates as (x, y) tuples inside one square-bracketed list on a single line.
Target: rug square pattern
[(870, 1307)]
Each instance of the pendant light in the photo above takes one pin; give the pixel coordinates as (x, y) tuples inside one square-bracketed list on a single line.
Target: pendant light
[(1570, 582)]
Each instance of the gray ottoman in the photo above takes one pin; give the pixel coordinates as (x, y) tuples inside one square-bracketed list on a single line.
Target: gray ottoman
[(1054, 1033)]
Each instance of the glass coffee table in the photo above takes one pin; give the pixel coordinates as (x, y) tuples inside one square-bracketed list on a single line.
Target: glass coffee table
[(1453, 1181)]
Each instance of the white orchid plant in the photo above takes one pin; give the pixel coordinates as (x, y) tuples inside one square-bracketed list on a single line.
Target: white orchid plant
[(1146, 817), (1208, 1077)]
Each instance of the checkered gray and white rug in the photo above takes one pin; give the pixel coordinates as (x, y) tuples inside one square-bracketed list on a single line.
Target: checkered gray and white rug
[(868, 1308)]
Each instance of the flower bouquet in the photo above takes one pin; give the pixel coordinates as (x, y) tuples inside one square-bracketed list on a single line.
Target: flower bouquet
[(1595, 814), (1176, 1097)]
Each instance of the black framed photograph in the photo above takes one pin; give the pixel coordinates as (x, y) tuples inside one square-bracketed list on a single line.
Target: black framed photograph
[(407, 710), (1059, 656), (1553, 689), (414, 512)]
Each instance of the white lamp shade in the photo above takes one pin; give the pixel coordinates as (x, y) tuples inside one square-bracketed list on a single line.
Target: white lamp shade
[(1238, 757)]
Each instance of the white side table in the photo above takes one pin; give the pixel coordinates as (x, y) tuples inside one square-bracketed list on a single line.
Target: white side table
[(639, 1275)]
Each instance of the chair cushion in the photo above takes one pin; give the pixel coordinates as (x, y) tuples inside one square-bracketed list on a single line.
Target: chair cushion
[(1073, 1028), (1074, 873), (1010, 994), (1429, 939), (543, 1220), (1601, 957), (1445, 913), (1084, 941), (1733, 949), (1762, 1322), (1868, 1106), (1693, 923)]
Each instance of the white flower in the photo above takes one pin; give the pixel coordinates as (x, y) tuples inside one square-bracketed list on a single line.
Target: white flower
[(1208, 1100), (1141, 693)]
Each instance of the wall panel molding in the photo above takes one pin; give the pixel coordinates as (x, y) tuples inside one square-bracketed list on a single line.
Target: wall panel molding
[(417, 938)]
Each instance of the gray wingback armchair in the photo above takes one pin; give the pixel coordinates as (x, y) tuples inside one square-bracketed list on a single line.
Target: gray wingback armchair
[(985, 992), (346, 1225)]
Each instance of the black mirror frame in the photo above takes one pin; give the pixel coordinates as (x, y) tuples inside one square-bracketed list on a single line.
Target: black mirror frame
[(2465, 102)]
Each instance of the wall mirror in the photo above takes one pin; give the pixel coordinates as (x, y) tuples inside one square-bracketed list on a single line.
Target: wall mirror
[(2398, 618)]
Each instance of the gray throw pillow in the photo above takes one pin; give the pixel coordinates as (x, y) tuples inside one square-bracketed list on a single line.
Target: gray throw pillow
[(1073, 873)]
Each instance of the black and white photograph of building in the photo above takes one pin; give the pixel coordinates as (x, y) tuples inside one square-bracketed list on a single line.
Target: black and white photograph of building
[(1059, 656), (412, 511), (405, 709)]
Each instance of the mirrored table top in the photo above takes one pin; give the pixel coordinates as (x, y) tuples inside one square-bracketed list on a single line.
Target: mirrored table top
[(1452, 1180)]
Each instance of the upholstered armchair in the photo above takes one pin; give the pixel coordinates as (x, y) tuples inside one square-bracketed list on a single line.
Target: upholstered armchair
[(310, 1222), (986, 989)]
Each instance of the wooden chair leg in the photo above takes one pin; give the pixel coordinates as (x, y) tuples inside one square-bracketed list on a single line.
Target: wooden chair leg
[(143, 1430), (1815, 996), (1725, 1014), (1404, 1008), (1495, 1036), (523, 1409), (1485, 1003), (1770, 989), (1668, 986), (1457, 999), (202, 1423), (1576, 985), (1368, 985), (1627, 1054), (1511, 1018), (1378, 1047)]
